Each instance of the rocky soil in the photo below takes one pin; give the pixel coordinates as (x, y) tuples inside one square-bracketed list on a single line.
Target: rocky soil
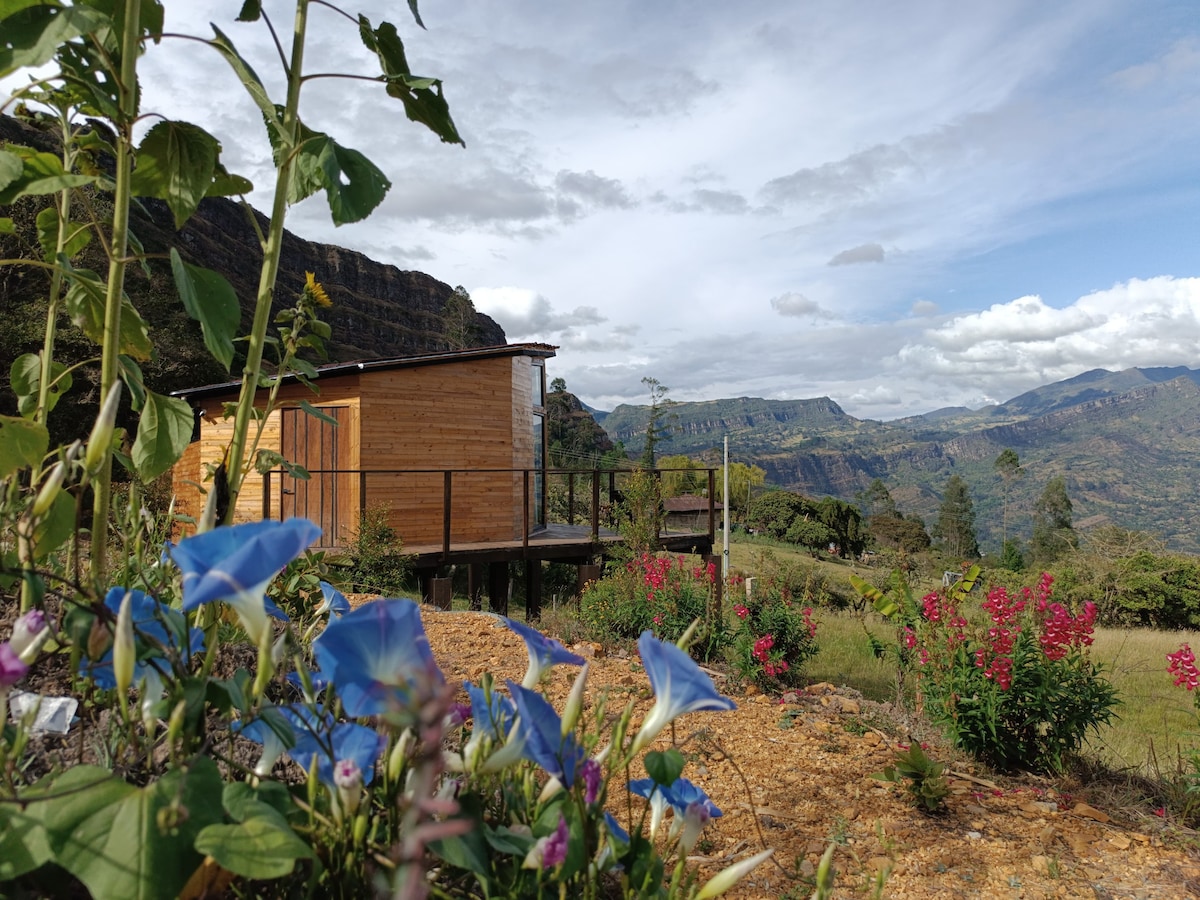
[(795, 773)]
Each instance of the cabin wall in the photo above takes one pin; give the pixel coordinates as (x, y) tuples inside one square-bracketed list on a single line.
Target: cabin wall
[(216, 433), (456, 415), (468, 414)]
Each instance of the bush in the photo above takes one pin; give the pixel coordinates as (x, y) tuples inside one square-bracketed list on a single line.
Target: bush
[(662, 594), (380, 565), (774, 636), (1019, 691)]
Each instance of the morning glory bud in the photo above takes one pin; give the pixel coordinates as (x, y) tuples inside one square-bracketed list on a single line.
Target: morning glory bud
[(727, 878), (152, 691), (100, 440), (347, 778), (399, 752), (574, 705), (49, 490), (29, 632), (124, 650)]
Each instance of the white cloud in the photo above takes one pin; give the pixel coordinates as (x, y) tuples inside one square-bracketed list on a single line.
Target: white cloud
[(864, 253), (796, 304)]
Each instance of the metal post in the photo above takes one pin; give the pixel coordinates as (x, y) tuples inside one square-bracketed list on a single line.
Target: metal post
[(446, 496), (266, 497), (525, 511), (595, 504)]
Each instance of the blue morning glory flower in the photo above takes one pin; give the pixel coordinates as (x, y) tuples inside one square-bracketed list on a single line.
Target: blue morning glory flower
[(544, 652), (545, 744), (490, 719), (376, 656), (659, 802), (285, 720), (683, 794), (615, 829), (333, 601), (236, 563), (347, 741), (679, 687), (156, 627)]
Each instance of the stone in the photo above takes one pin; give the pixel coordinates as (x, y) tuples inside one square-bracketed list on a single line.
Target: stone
[(1090, 812), (1042, 865)]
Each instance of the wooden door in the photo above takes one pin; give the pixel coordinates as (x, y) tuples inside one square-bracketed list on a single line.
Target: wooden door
[(322, 448)]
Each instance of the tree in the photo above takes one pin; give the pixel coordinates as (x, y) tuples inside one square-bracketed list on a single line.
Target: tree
[(877, 500), (1008, 467), (846, 523), (776, 511), (1053, 533), (688, 481), (810, 534), (459, 327), (905, 534), (558, 386), (955, 527), (656, 429), (1011, 557), (742, 478)]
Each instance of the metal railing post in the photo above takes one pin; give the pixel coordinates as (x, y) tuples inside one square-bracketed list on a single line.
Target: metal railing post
[(446, 497), (595, 504)]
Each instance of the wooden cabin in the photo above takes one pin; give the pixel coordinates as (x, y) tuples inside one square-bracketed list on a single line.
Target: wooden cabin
[(401, 425), (452, 445)]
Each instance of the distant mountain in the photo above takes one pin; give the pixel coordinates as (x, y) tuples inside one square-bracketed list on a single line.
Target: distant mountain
[(1127, 443)]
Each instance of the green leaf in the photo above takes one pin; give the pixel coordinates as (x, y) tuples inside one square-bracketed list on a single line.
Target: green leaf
[(10, 168), (176, 162), (468, 851), (163, 433), (253, 85), (22, 444), (129, 842), (7, 226), (23, 845), (131, 374), (241, 801), (665, 766), (226, 185), (250, 12), (353, 185), (78, 235), (85, 302), (211, 300), (41, 173), (26, 379), (264, 846), (422, 97), (317, 413), (33, 34), (505, 840)]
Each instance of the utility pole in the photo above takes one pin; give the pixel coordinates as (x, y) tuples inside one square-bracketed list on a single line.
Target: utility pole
[(725, 514)]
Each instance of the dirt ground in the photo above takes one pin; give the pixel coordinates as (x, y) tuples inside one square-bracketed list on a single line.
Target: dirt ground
[(795, 773)]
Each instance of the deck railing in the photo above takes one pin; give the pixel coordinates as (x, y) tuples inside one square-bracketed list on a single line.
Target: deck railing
[(327, 496)]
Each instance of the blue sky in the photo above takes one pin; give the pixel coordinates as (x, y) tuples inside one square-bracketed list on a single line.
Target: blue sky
[(902, 206)]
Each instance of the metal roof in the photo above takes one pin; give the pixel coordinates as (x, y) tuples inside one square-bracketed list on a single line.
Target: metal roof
[(334, 370)]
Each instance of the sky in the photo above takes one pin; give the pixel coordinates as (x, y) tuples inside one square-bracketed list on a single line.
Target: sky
[(900, 206)]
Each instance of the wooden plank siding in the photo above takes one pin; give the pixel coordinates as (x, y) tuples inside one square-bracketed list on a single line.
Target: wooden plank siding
[(467, 412)]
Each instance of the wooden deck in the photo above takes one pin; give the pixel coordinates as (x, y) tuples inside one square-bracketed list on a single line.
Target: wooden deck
[(558, 543)]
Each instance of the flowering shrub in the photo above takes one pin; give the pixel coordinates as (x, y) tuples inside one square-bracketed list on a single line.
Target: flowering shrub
[(1182, 665), (774, 634), (1019, 689), (660, 593)]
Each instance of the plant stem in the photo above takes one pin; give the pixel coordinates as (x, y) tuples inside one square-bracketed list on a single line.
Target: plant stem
[(111, 347), (272, 250)]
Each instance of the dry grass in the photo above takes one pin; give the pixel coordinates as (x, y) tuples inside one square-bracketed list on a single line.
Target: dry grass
[(1156, 716)]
